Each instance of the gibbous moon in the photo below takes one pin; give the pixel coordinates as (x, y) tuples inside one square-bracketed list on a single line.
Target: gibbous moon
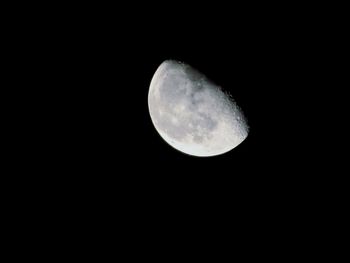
[(192, 114)]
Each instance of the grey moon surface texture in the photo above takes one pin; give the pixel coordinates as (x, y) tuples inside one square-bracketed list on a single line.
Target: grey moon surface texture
[(192, 114)]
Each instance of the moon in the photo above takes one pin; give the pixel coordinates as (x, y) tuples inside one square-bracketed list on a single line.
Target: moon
[(192, 114)]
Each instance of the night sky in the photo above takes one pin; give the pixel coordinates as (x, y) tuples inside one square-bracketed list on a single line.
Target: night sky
[(99, 87), (97, 143), (108, 141)]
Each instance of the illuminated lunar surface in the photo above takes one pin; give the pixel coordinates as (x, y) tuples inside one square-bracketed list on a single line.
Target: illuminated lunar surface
[(192, 114)]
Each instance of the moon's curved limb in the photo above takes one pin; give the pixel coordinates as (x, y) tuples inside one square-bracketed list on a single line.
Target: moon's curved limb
[(192, 114)]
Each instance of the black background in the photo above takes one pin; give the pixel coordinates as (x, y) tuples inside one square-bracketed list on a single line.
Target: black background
[(97, 157), (99, 68)]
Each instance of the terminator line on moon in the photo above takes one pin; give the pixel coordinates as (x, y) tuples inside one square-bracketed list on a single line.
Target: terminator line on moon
[(192, 114)]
